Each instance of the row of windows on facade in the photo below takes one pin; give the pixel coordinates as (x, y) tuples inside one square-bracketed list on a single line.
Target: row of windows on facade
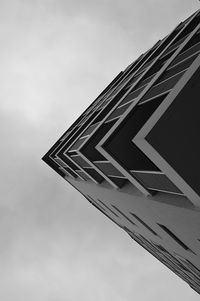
[(179, 265), (182, 267), (117, 213)]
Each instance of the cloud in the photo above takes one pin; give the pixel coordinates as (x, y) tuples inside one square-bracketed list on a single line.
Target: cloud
[(48, 59)]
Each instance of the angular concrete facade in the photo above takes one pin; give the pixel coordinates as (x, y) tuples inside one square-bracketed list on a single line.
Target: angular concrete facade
[(134, 153)]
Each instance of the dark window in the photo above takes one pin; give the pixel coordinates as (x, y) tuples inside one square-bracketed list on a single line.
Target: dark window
[(178, 68), (194, 49), (147, 79), (108, 208), (143, 223), (131, 233), (157, 182), (91, 200), (77, 144), (173, 47), (90, 129), (118, 112), (132, 95), (80, 161), (120, 182), (189, 28), (83, 175), (162, 87), (193, 41), (192, 267), (125, 216), (107, 168), (94, 174), (169, 232)]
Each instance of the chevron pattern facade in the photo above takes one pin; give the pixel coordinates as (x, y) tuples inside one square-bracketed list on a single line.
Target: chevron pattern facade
[(139, 140)]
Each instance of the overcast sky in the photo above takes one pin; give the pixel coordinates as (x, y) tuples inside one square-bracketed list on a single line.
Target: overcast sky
[(56, 56)]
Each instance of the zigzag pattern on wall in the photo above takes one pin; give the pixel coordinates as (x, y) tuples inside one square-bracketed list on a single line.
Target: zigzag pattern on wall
[(115, 139)]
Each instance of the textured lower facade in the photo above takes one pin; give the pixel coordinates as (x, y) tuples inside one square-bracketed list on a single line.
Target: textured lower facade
[(134, 152)]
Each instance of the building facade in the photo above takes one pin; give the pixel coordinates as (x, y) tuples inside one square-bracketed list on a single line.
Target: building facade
[(134, 152)]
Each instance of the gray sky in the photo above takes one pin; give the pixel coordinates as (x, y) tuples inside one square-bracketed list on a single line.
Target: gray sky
[(56, 56)]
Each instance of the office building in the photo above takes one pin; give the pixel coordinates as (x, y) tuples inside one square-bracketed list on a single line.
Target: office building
[(134, 152)]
